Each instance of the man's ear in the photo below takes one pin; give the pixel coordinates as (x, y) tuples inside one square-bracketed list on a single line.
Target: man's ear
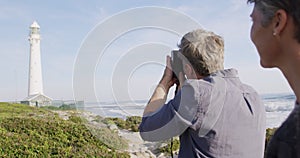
[(279, 21), (188, 70)]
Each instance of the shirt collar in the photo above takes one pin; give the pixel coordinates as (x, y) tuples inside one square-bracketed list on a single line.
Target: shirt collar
[(226, 73)]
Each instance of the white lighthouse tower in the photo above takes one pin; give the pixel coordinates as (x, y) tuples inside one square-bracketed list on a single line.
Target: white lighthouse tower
[(35, 84), (35, 66)]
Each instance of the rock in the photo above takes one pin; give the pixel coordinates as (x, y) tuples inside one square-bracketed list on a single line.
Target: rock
[(113, 127), (142, 155)]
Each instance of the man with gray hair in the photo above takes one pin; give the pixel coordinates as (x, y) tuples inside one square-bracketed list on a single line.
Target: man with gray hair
[(214, 114)]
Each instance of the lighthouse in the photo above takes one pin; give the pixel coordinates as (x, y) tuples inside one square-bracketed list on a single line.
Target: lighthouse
[(36, 95), (35, 67)]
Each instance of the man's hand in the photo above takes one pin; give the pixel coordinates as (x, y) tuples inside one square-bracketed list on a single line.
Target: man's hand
[(179, 83), (160, 93), (167, 80)]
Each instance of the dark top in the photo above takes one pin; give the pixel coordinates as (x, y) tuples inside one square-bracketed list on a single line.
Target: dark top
[(285, 143), (217, 116)]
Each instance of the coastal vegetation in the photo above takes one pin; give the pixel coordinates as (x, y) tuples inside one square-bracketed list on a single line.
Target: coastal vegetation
[(167, 148), (46, 132), (131, 123), (62, 107), (269, 133), (35, 132)]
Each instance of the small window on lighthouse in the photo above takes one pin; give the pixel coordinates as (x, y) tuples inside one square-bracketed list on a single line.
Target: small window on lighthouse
[(35, 31)]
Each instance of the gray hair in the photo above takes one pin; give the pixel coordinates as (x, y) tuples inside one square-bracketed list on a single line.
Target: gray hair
[(269, 7), (204, 50)]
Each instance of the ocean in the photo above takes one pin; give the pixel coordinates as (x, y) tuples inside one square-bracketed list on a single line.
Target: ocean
[(278, 107)]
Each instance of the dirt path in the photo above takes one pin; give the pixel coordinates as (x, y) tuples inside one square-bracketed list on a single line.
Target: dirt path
[(138, 147)]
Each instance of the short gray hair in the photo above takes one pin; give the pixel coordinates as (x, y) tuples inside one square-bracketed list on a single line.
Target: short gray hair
[(204, 50), (269, 7)]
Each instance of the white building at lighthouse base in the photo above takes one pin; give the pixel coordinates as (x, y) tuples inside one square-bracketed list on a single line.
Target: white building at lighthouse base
[(37, 100)]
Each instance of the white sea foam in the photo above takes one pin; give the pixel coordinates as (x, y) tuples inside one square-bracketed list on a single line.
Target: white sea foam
[(278, 107), (275, 119)]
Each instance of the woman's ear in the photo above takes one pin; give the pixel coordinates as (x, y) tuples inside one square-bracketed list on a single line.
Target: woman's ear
[(279, 21)]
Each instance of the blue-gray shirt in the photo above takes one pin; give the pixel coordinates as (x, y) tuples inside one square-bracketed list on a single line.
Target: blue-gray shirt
[(217, 116)]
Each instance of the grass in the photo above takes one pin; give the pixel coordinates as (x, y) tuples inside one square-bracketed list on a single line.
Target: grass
[(34, 132), (13, 110)]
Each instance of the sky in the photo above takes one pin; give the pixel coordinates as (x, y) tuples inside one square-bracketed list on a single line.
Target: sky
[(66, 25)]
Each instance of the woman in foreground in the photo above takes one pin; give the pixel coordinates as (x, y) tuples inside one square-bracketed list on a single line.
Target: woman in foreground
[(276, 34)]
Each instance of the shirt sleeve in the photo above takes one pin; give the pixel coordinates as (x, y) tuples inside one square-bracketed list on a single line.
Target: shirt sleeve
[(173, 118)]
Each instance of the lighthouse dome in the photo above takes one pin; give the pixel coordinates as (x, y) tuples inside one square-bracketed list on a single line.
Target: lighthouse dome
[(34, 25)]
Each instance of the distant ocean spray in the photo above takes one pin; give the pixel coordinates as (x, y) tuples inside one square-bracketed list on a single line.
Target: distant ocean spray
[(278, 107)]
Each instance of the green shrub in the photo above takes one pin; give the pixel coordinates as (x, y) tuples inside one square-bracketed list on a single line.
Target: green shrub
[(269, 133), (77, 119), (67, 107), (111, 139), (98, 119), (131, 123), (62, 107), (118, 121), (167, 149), (48, 135), (50, 107)]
